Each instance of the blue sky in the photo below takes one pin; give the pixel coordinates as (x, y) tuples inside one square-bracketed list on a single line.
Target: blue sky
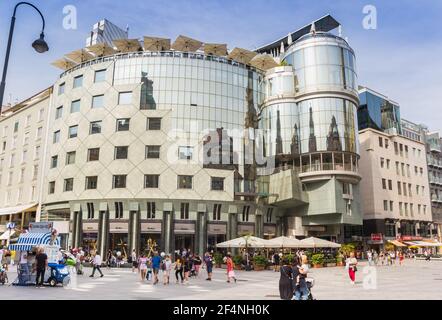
[(402, 58)]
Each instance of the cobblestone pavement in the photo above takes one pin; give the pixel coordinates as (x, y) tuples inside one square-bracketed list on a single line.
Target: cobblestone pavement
[(414, 280)]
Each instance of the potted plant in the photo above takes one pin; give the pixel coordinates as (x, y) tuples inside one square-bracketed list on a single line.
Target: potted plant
[(259, 263), (330, 262), (218, 259), (237, 261), (318, 260), (339, 260)]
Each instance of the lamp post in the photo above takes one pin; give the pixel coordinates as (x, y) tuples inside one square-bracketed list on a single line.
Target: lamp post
[(39, 45)]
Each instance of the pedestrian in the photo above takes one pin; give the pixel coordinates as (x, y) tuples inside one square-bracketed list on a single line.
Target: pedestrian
[(166, 267), (370, 257), (276, 260), (187, 263), (197, 264), (427, 255), (401, 257), (299, 274), (41, 262), (156, 261), (96, 265), (142, 266), (375, 257), (230, 267), (109, 259), (119, 259), (179, 269), (208, 261), (134, 260), (286, 281), (351, 264)]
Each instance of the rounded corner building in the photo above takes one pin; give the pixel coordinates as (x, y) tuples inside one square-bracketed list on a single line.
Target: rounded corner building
[(154, 144)]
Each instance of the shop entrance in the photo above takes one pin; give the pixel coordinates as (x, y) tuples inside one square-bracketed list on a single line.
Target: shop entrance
[(150, 241), (185, 241), (89, 242), (213, 239), (118, 242)]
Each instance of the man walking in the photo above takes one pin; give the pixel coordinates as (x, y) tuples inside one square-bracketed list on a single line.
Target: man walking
[(97, 264), (209, 265), (156, 261), (41, 261)]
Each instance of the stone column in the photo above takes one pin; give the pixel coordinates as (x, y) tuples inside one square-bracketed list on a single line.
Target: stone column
[(167, 227), (259, 224), (232, 223), (73, 233), (78, 229)]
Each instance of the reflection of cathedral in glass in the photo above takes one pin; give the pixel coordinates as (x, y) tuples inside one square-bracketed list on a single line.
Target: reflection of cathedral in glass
[(311, 139), (333, 141)]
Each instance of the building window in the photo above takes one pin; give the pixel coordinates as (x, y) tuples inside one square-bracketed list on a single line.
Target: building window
[(151, 210), (425, 209), (98, 101), (4, 146), (406, 209), (382, 162), (123, 124), (10, 175), (386, 143), (91, 183), (90, 210), (119, 181), (217, 183), (411, 210), (75, 106), (399, 192), (100, 75), (56, 137), (151, 180), (423, 191), (401, 212), (70, 157), (119, 210), (28, 120), (391, 206), (37, 152), (40, 114), (419, 209), (125, 98), (16, 124), (78, 81), (61, 88), (184, 211), (95, 127), (381, 140), (24, 155), (185, 182), (346, 188), (35, 172), (185, 153), (269, 215), (73, 132), (68, 184), (385, 205), (39, 132), (416, 170), (93, 154), (22, 175), (58, 112), (384, 184), (403, 169), (245, 213), (396, 150), (397, 168), (54, 162), (401, 149), (390, 185), (404, 189), (409, 190), (153, 152), (406, 151), (417, 190), (421, 171), (12, 160), (216, 212), (408, 171), (121, 152), (51, 187), (153, 123)]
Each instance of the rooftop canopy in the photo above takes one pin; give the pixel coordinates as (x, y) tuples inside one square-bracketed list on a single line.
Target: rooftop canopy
[(242, 55), (156, 44), (101, 49), (183, 43), (79, 56), (215, 49), (127, 45)]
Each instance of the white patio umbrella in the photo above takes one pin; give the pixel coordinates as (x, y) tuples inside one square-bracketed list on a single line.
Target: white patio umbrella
[(243, 242), (319, 243), (284, 242)]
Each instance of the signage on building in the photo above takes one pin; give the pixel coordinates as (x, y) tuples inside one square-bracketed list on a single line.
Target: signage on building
[(316, 228), (41, 227), (186, 228), (90, 226), (269, 230), (411, 238), (151, 227), (216, 228), (246, 229), (376, 237), (118, 227)]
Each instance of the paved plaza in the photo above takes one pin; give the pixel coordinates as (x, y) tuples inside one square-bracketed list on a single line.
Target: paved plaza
[(414, 280)]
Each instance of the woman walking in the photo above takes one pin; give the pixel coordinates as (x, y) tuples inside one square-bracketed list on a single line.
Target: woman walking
[(109, 259), (285, 281), (300, 270), (230, 265), (187, 263), (166, 266), (197, 264), (179, 270), (134, 260), (142, 266), (351, 264)]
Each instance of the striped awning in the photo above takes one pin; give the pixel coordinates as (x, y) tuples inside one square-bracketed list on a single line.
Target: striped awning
[(397, 243), (27, 241)]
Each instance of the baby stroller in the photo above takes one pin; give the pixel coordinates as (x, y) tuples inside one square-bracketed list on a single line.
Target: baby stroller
[(3, 275), (310, 283)]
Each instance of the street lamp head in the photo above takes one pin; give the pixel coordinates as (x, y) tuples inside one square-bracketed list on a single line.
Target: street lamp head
[(40, 44)]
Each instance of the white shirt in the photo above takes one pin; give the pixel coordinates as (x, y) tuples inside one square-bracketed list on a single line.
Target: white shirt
[(97, 260), (23, 258)]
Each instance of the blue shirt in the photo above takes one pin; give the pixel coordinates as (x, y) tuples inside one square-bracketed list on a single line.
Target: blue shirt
[(156, 262)]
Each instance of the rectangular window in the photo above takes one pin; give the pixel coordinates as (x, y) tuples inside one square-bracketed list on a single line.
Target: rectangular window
[(98, 101), (39, 132), (73, 132), (75, 106), (408, 171), (119, 210), (95, 127), (68, 184), (397, 168), (184, 211), (399, 188), (425, 209), (70, 157), (58, 112), (416, 171), (22, 175), (119, 181), (388, 163), (384, 184), (385, 205), (381, 140), (93, 154), (24, 155), (153, 123), (37, 152), (91, 183), (90, 210), (386, 143), (411, 210), (185, 182), (401, 149), (391, 206), (216, 212), (10, 175), (417, 190), (423, 191), (121, 152), (40, 114), (100, 75), (151, 209), (217, 183), (185, 153), (4, 146), (396, 150), (245, 213), (61, 88), (35, 172), (125, 98), (151, 180), (390, 185), (404, 189), (78, 81), (54, 162), (403, 169), (406, 209), (346, 188), (123, 124), (421, 171), (409, 190), (382, 162), (16, 124), (406, 151), (401, 212), (56, 137), (28, 120), (269, 215), (153, 152), (51, 188)]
